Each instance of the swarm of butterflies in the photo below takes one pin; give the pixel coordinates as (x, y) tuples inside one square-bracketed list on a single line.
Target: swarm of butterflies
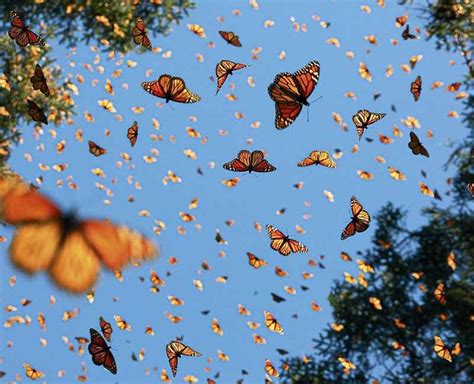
[(72, 250)]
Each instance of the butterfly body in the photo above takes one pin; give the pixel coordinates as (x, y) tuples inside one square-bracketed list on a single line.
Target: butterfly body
[(249, 162), (290, 92), (171, 88)]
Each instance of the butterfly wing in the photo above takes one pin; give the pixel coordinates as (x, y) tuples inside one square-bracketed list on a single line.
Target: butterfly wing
[(312, 159), (172, 359), (180, 94), (326, 160), (39, 81), (349, 230), (278, 240), (239, 164), (415, 88), (361, 218), (132, 133), (159, 88), (36, 112), (307, 78), (259, 164), (296, 246)]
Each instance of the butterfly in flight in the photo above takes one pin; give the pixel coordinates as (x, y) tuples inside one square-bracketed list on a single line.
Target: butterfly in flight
[(70, 249), (318, 157), (249, 162), (415, 88), (100, 352), (95, 149), (225, 68), (106, 328), (39, 81), (230, 38), (176, 349), (139, 34), (442, 351), (21, 33), (416, 147), (363, 118), (360, 220), (290, 91), (36, 112), (171, 88), (407, 35), (132, 133), (255, 262), (282, 243)]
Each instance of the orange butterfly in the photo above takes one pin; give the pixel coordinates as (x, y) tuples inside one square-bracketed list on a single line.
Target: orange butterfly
[(249, 162), (255, 262), (95, 149), (106, 328), (363, 118), (272, 324), (416, 146), (230, 38), (442, 351), (139, 34), (290, 91), (415, 88), (39, 81), (360, 220), (175, 350), (36, 112), (32, 373), (225, 68), (71, 250), (132, 133), (100, 352), (282, 243), (318, 157), (171, 88)]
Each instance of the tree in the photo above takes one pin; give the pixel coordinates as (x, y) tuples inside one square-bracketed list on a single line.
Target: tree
[(106, 23), (393, 342)]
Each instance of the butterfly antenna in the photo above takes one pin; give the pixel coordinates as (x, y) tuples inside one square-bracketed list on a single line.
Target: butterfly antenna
[(311, 102), (307, 115)]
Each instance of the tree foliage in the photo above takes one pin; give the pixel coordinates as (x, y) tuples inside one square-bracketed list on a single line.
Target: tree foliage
[(105, 23)]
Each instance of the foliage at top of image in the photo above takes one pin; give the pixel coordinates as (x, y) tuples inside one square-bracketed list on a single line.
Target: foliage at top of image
[(105, 23)]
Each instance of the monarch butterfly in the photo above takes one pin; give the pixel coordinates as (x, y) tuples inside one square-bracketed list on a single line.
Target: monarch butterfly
[(197, 30), (106, 328), (139, 34), (364, 72), (255, 262), (416, 147), (270, 369), (132, 133), (272, 324), (122, 324), (406, 33), (95, 149), (216, 328), (32, 373), (21, 33), (318, 157), (290, 91), (36, 112), (100, 352), (360, 220), (39, 81), (396, 174), (175, 350), (249, 162), (363, 118), (440, 293), (171, 88), (225, 68), (282, 243), (230, 38), (415, 88), (70, 249), (442, 351)]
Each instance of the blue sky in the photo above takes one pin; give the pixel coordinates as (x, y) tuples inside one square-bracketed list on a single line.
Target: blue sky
[(255, 199)]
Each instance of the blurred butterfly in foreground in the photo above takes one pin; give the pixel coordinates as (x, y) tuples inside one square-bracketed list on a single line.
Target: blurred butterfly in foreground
[(282, 243), (95, 149), (442, 351), (363, 118), (290, 91), (249, 162), (70, 249), (416, 147), (36, 112), (225, 68), (21, 33), (139, 34), (230, 38), (175, 350), (318, 157), (415, 88), (171, 88), (39, 81), (360, 220), (100, 352), (132, 133)]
